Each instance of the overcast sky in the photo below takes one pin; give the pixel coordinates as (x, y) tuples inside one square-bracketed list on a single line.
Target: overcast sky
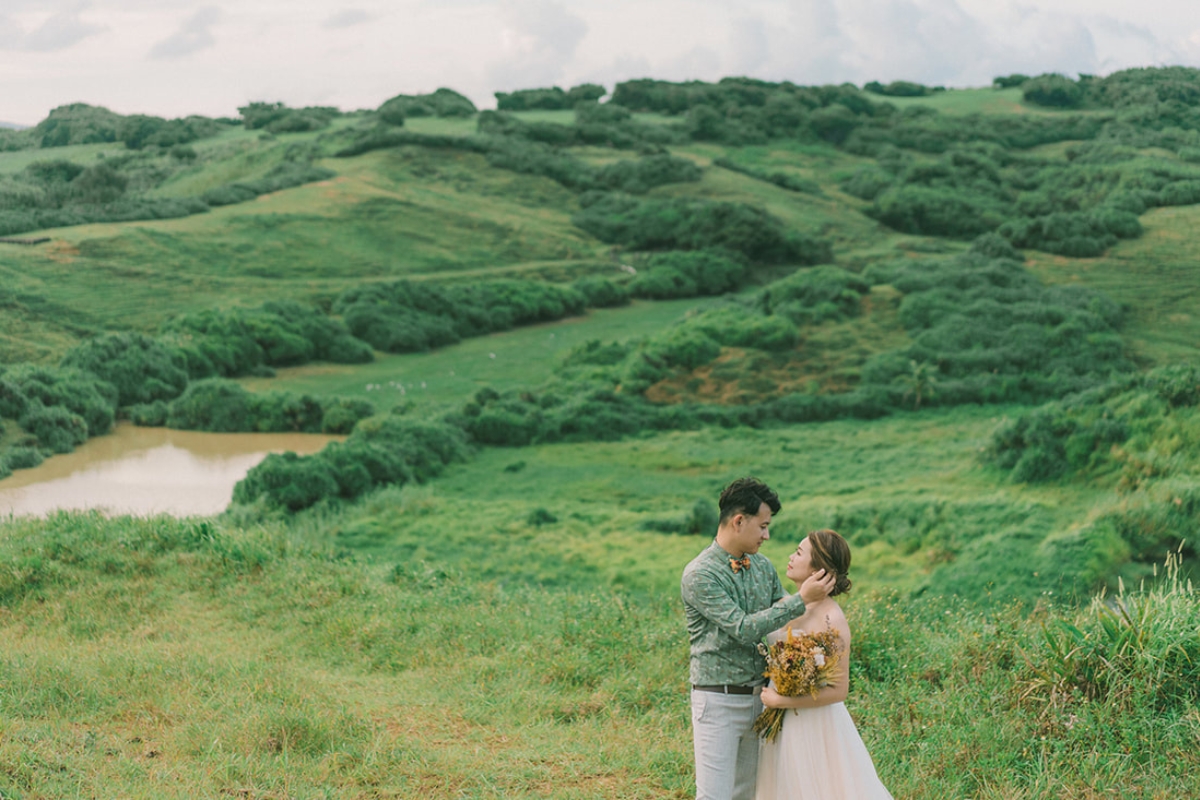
[(179, 57)]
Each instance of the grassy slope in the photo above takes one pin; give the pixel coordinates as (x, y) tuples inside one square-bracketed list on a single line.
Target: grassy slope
[(387, 215), (509, 360), (977, 101), (510, 659), (176, 659), (1156, 276)]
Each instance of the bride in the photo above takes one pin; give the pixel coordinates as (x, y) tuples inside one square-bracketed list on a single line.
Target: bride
[(818, 753)]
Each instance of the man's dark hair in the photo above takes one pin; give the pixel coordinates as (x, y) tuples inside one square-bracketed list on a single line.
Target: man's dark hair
[(746, 496)]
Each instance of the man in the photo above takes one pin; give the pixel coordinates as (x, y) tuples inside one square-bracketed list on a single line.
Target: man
[(732, 598)]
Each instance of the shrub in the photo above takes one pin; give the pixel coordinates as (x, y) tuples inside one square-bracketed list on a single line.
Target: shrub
[(688, 274), (683, 224), (900, 89), (642, 175), (1073, 233), (748, 327), (341, 414), (81, 393), (285, 412), (382, 450), (22, 457), (1052, 89), (552, 99), (57, 429), (814, 295), (993, 245), (407, 317), (662, 283), (938, 211), (287, 480), (149, 415), (1178, 384), (142, 369), (1009, 81), (868, 182), (238, 341), (12, 400), (601, 292), (213, 404)]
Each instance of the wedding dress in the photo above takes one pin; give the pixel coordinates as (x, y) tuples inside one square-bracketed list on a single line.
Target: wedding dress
[(818, 755)]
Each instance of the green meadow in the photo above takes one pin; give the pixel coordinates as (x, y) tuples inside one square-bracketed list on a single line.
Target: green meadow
[(496, 620)]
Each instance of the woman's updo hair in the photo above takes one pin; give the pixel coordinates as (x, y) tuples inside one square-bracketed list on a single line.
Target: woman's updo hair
[(830, 552)]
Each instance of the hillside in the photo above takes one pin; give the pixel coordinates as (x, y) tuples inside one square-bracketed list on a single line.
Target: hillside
[(957, 326)]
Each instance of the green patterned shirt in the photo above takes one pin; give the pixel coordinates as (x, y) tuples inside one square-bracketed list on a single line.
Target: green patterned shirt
[(728, 613)]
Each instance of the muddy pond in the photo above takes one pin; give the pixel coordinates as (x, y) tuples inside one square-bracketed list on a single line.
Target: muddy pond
[(145, 471)]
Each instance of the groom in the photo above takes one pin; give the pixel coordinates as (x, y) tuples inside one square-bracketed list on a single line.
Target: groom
[(732, 597)]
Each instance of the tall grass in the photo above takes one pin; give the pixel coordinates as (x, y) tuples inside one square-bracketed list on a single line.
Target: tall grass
[(182, 658)]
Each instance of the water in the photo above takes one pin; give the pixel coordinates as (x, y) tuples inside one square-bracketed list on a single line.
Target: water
[(145, 471)]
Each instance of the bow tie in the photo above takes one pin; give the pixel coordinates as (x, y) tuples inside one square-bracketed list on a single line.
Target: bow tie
[(739, 564)]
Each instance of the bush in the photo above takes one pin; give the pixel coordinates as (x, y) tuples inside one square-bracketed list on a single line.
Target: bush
[(407, 317), (57, 429), (1073, 233), (747, 327), (77, 123), (342, 413), (601, 292), (688, 274), (938, 211), (868, 182), (287, 480), (993, 245), (388, 450), (213, 404), (1178, 384), (81, 393), (285, 412), (22, 457), (12, 400), (642, 175), (142, 369), (683, 224), (1012, 81), (901, 89), (234, 342), (815, 295), (1052, 89), (551, 99), (149, 415)]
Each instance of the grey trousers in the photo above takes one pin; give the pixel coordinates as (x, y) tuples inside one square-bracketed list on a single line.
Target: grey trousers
[(726, 745)]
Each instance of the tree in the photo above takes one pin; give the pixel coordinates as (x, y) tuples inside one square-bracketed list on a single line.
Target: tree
[(920, 383), (1052, 89)]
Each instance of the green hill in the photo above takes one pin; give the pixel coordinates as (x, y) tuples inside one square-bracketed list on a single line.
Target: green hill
[(954, 325)]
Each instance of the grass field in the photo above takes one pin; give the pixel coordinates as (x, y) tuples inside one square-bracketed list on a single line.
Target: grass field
[(512, 628), (1156, 276), (976, 101), (175, 659), (509, 360)]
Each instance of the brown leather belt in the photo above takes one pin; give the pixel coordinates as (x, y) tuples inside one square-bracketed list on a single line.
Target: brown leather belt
[(728, 689)]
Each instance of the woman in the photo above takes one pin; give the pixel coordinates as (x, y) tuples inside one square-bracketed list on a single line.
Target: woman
[(818, 753)]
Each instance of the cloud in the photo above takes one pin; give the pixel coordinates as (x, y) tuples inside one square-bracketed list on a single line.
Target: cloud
[(191, 37), (749, 43), (58, 32), (348, 18), (946, 42), (538, 39)]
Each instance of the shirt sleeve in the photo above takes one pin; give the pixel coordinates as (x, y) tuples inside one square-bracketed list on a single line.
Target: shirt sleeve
[(706, 594)]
